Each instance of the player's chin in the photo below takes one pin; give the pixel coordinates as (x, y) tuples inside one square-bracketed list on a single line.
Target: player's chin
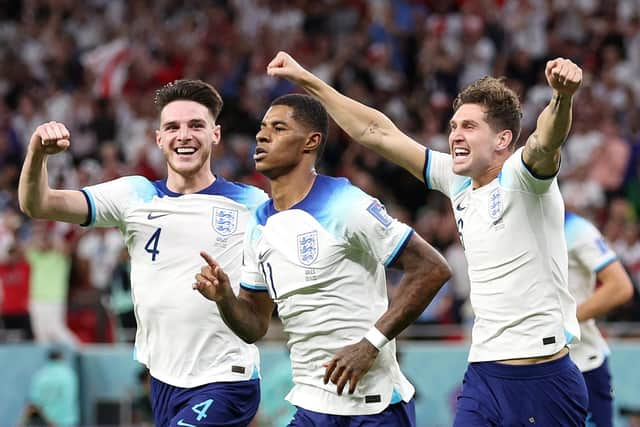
[(461, 169)]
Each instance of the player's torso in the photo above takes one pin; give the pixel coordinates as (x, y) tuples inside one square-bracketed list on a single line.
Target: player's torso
[(503, 231), (165, 237)]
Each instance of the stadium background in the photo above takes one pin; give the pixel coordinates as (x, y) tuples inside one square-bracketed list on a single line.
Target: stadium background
[(94, 65)]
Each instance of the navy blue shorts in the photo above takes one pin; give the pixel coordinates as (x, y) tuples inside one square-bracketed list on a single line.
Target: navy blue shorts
[(401, 414), (600, 396), (229, 404), (542, 395)]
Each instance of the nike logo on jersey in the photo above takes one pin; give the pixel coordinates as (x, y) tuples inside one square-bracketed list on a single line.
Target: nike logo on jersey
[(459, 207), (156, 216)]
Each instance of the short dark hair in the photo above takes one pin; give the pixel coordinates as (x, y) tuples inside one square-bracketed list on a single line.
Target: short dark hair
[(190, 90), (308, 111), (501, 103)]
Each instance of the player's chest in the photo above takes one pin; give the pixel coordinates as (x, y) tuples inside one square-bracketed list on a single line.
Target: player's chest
[(180, 222), (298, 242)]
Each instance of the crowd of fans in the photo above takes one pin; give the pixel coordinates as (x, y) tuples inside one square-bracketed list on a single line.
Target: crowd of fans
[(95, 64)]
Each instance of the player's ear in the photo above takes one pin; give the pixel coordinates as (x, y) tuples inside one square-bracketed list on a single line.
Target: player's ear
[(313, 142), (158, 141), (217, 132), (504, 140)]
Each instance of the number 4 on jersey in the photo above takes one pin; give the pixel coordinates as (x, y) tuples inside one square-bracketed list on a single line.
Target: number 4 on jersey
[(152, 244)]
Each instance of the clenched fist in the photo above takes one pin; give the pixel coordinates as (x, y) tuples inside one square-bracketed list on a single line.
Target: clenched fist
[(50, 138)]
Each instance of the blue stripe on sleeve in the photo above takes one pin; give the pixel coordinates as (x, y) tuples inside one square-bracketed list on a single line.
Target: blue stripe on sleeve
[(602, 265), (253, 288), (91, 215), (427, 167), (398, 250)]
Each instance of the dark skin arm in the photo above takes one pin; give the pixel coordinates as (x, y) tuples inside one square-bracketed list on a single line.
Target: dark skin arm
[(248, 314), (425, 271)]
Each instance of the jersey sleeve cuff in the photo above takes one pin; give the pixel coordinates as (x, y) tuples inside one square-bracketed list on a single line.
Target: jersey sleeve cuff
[(426, 169), (253, 287), (91, 204), (604, 264), (398, 250)]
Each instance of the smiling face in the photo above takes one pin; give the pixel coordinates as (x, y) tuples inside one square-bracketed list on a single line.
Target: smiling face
[(186, 136), (282, 142), (473, 143)]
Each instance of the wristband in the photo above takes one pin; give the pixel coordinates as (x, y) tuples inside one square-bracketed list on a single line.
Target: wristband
[(376, 338)]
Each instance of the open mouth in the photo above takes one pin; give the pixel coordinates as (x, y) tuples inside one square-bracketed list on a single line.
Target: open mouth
[(460, 153), (185, 151)]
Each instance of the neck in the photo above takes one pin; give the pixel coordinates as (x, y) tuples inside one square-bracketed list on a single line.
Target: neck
[(291, 188), (188, 184), (490, 173)]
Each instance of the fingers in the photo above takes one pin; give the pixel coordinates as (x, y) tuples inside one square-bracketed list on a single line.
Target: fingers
[(52, 136), (329, 368), (209, 260), (563, 73), (283, 65)]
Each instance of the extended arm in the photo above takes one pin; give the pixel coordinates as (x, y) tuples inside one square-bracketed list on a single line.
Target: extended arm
[(248, 314), (542, 150), (615, 289), (363, 124), (425, 271), (36, 198)]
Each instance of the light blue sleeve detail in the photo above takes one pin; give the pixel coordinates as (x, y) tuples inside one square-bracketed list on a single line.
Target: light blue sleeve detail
[(253, 287), (602, 265), (575, 228), (142, 187), (401, 245)]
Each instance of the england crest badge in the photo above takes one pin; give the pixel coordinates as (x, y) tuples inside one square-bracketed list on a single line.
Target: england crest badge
[(225, 221), (496, 204), (308, 247)]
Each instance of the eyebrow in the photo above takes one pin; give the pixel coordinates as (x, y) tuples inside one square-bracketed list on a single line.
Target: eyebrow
[(274, 123), (468, 121), (175, 122)]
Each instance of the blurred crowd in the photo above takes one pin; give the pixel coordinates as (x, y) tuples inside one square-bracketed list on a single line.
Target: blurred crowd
[(95, 64)]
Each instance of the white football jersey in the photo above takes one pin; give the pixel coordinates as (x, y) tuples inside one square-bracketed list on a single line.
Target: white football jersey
[(180, 336), (512, 232), (588, 254), (322, 261)]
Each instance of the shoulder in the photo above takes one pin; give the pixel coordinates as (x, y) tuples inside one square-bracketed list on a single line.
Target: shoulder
[(577, 228), (129, 187), (244, 194)]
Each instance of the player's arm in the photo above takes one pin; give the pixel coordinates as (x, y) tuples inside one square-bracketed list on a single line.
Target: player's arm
[(247, 315), (36, 198), (425, 271), (542, 149), (615, 289), (363, 124)]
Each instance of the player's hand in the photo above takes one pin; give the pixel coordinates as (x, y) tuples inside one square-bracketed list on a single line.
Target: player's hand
[(212, 282), (283, 65), (50, 138), (350, 364), (563, 76)]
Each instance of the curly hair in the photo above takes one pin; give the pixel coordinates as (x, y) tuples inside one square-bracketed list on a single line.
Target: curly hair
[(501, 104)]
